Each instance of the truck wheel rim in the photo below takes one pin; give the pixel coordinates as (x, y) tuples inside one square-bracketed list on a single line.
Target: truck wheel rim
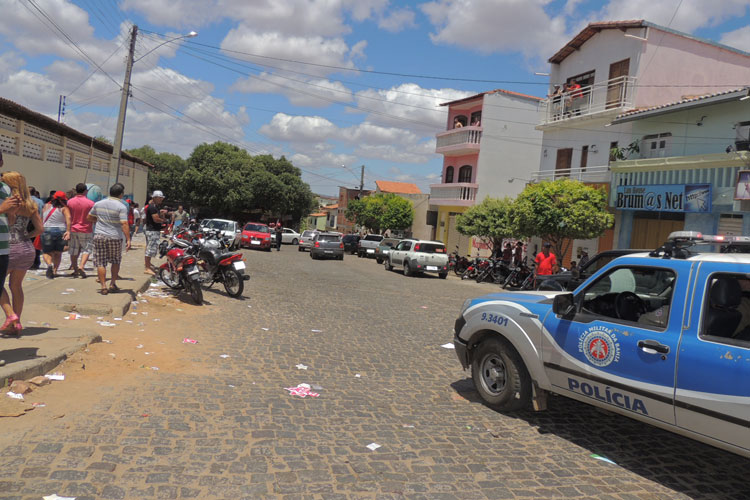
[(494, 374)]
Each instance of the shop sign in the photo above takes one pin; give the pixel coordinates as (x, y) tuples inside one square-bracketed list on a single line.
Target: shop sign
[(742, 187), (664, 198)]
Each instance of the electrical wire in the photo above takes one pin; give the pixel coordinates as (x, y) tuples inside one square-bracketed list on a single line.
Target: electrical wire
[(93, 72)]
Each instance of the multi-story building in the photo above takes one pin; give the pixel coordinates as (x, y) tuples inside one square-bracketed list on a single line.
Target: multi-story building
[(691, 170), (53, 156), (489, 142), (346, 194), (608, 69)]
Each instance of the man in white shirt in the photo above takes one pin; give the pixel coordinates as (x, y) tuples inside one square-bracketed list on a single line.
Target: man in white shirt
[(111, 227)]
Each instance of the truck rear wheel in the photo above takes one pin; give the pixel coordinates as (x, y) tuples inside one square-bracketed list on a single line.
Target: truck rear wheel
[(499, 375)]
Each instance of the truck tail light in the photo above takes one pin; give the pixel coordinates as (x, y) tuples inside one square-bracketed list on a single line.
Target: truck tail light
[(416, 247), (317, 244)]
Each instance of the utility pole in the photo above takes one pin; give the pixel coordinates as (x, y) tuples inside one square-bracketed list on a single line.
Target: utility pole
[(114, 169), (61, 108), (361, 182)]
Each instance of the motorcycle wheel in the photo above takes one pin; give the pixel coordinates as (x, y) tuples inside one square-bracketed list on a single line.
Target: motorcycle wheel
[(166, 276), (195, 291), (480, 277), (233, 282), (459, 270)]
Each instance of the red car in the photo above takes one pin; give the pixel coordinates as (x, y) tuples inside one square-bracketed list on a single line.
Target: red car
[(256, 235)]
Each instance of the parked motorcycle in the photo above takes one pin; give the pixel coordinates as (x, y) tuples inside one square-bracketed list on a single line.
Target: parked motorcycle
[(218, 264), (496, 271), (521, 277), (181, 268), (458, 263), (473, 269)]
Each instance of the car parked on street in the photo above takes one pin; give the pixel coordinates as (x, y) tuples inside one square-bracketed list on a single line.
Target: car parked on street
[(567, 280), (256, 235), (288, 236), (327, 245), (367, 245), (230, 230), (306, 238), (350, 243), (384, 248), (417, 257), (661, 337)]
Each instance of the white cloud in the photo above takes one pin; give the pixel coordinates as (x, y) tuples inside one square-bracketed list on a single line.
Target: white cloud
[(321, 159), (490, 26), (739, 38), (408, 105), (397, 20), (295, 129), (312, 93)]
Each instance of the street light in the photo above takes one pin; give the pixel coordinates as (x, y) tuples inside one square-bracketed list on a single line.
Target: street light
[(114, 170)]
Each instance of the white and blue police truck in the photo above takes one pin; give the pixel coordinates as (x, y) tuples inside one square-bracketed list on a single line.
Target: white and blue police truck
[(661, 337)]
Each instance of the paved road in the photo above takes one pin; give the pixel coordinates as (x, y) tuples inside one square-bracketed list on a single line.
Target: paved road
[(226, 428)]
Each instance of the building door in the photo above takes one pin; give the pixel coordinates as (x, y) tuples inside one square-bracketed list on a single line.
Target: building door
[(650, 232), (564, 162), (617, 89), (730, 225)]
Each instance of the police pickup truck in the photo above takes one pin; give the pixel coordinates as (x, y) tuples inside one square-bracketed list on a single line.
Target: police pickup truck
[(661, 337)]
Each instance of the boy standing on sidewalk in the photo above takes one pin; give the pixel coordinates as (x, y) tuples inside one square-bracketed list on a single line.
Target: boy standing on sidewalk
[(81, 230), (112, 226)]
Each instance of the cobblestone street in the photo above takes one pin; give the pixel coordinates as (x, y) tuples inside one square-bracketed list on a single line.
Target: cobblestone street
[(371, 341)]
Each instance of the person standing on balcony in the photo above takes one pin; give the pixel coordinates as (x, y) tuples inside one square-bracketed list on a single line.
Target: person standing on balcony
[(576, 97), (457, 123), (556, 97)]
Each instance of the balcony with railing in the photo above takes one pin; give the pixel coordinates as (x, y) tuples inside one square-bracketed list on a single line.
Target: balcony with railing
[(459, 141), (460, 194), (602, 99), (590, 174)]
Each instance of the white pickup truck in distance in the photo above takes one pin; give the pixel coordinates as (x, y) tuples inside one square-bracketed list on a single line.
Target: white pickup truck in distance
[(419, 256), (367, 245)]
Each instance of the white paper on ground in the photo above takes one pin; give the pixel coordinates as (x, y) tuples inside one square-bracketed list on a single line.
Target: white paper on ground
[(225, 356), (301, 367), (14, 395), (373, 446), (55, 376), (55, 497), (448, 346)]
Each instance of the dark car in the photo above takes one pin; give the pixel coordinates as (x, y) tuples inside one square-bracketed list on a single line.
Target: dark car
[(325, 245), (350, 243), (567, 281)]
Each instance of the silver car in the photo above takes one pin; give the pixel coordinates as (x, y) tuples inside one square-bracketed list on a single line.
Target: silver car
[(327, 245), (305, 239)]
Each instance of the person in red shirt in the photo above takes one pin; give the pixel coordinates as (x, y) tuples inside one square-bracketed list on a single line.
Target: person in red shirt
[(546, 261), (81, 230)]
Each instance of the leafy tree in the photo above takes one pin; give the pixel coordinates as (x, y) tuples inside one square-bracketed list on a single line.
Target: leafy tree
[(562, 210), (103, 139), (492, 220), (381, 211), (167, 173)]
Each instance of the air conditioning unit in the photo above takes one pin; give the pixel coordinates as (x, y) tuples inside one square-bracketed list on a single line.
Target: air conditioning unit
[(742, 140)]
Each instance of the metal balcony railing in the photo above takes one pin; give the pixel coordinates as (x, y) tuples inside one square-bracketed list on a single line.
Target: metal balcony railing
[(458, 138), (615, 95), (458, 193), (590, 174)]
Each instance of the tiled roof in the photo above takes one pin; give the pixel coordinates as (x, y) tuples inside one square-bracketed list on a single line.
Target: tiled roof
[(594, 28), (684, 100), (496, 91), (319, 214), (331, 207), (397, 187)]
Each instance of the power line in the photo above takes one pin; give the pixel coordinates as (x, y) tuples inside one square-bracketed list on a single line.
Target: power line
[(93, 72)]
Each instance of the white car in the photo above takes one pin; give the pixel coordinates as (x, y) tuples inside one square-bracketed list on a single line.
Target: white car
[(288, 236), (305, 239), (229, 229), (417, 257)]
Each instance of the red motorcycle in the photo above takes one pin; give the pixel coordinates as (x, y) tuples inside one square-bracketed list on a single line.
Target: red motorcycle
[(181, 268), (218, 264)]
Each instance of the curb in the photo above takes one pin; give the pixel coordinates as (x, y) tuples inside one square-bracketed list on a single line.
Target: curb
[(120, 309), (34, 367)]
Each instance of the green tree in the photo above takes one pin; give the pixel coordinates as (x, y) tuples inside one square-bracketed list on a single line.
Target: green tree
[(492, 220), (562, 210), (166, 174), (381, 211), (103, 139)]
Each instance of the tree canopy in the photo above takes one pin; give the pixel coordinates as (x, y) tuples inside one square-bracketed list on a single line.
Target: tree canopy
[(381, 211), (492, 220), (225, 180), (561, 210)]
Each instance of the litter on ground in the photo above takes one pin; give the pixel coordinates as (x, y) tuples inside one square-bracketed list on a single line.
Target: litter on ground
[(448, 346), (55, 376), (603, 459), (14, 395), (373, 446), (301, 367), (189, 341), (301, 390)]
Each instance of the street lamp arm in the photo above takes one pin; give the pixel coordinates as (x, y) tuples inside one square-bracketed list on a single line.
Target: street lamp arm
[(189, 35)]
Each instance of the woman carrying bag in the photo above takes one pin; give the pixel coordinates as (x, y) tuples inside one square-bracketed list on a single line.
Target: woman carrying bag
[(56, 231), (24, 224)]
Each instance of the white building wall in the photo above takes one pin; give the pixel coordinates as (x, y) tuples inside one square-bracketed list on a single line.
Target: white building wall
[(587, 134), (510, 145)]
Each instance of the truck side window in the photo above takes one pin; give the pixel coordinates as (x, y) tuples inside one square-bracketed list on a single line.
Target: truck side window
[(726, 310), (641, 295)]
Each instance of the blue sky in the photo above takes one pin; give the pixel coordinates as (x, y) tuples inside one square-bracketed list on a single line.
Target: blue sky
[(244, 80)]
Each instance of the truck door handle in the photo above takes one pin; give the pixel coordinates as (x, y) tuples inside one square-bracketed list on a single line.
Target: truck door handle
[(653, 347)]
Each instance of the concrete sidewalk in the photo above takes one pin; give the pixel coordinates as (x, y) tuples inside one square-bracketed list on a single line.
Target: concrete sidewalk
[(47, 337)]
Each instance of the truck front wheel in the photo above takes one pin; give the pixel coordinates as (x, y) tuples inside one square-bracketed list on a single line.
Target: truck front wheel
[(499, 375)]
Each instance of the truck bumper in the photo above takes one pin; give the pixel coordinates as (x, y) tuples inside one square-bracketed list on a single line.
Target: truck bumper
[(462, 349)]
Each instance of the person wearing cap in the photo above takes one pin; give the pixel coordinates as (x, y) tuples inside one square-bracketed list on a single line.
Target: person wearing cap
[(57, 223), (111, 228), (584, 258), (155, 223), (546, 261), (81, 230)]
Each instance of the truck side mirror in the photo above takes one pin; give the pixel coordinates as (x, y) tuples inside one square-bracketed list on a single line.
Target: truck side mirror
[(563, 305)]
